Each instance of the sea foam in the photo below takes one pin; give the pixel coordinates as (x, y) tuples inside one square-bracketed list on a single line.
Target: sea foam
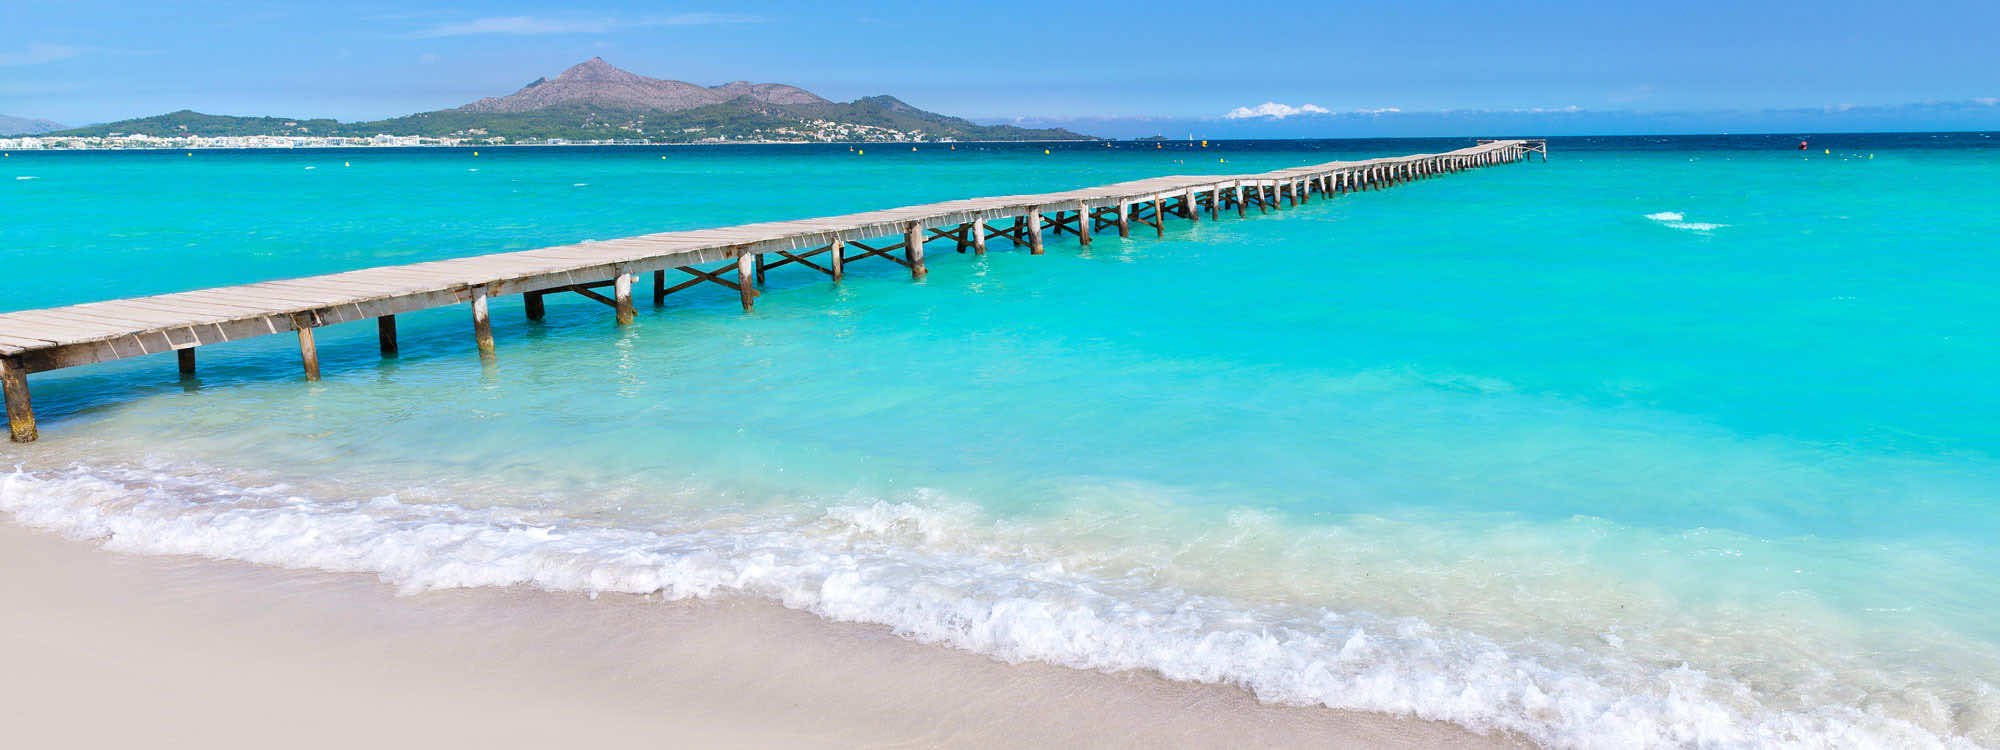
[(904, 566)]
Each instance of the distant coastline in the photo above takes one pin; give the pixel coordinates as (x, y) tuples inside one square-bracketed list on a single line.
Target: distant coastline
[(38, 143), (591, 103)]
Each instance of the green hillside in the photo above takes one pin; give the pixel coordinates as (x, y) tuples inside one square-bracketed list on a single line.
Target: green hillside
[(871, 118)]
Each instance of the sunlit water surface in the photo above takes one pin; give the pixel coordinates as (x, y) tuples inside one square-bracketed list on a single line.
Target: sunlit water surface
[(1663, 441)]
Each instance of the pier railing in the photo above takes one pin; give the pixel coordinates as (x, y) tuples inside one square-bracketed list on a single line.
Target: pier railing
[(34, 341)]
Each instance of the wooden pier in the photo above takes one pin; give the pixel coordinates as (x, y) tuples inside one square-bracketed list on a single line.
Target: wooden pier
[(737, 257)]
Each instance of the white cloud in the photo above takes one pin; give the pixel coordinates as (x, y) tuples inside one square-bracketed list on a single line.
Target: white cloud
[(1275, 111), (538, 25), (37, 54)]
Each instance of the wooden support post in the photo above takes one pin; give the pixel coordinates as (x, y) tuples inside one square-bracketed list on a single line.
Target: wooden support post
[(978, 236), (1083, 226), (1214, 202), (1124, 219), (1159, 216), (536, 308), (20, 411), (1242, 209), (621, 292), (186, 357), (308, 353), (913, 250), (385, 335), (839, 250), (659, 287), (1035, 231), (482, 324), (760, 269), (746, 275), (1192, 208)]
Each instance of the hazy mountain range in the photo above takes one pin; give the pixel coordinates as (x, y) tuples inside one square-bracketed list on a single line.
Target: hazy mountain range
[(599, 84), (595, 100), (26, 126)]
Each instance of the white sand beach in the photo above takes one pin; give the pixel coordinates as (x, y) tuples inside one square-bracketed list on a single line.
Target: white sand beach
[(107, 649)]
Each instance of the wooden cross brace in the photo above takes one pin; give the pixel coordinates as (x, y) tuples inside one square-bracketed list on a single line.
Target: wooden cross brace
[(788, 258), (699, 276), (870, 252), (1061, 221)]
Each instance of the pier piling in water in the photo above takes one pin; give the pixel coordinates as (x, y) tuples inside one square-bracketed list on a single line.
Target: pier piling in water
[(621, 292), (33, 341), (308, 353), (745, 276), (385, 333), (20, 413), (482, 325), (913, 250)]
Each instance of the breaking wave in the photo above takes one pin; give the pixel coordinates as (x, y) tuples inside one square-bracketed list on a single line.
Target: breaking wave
[(932, 574)]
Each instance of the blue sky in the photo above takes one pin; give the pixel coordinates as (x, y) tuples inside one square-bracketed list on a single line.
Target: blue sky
[(1118, 69)]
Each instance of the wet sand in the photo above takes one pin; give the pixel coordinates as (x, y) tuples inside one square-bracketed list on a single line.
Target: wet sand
[(108, 649)]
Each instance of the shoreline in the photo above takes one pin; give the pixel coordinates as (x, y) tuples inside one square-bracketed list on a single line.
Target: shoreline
[(234, 654)]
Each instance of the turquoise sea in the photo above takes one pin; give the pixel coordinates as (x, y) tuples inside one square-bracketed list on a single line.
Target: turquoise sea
[(1667, 441)]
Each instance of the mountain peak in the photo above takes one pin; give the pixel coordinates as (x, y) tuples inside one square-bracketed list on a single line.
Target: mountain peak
[(597, 84), (596, 69)]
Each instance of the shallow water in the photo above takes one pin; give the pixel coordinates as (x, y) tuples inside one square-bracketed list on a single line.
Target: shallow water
[(1665, 441)]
